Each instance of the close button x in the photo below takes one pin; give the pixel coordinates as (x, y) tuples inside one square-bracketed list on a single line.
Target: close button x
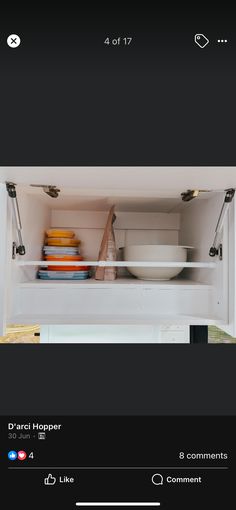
[(13, 41)]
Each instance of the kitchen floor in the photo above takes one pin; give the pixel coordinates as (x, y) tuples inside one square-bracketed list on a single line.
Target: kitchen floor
[(21, 334)]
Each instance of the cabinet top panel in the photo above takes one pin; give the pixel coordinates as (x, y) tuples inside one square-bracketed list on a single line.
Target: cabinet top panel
[(125, 181)]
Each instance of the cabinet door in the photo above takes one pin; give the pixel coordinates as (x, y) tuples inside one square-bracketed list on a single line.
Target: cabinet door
[(230, 327), (126, 181), (3, 258)]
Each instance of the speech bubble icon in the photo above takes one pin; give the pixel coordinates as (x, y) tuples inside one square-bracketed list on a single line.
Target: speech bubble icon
[(157, 479)]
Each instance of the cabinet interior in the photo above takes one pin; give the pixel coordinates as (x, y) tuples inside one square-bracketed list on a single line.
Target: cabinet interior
[(139, 220)]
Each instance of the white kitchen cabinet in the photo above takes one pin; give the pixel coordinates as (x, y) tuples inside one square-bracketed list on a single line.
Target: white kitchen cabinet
[(149, 210)]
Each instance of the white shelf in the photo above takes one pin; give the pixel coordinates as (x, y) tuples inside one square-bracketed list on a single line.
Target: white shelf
[(126, 282), (117, 263)]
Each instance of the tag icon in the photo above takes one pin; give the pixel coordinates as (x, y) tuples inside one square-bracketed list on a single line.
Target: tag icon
[(201, 40)]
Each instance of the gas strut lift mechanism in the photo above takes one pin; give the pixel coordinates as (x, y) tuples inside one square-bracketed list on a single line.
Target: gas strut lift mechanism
[(52, 191), (229, 195), (20, 249)]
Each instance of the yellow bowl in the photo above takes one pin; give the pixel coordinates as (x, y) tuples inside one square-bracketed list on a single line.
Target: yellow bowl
[(60, 233)]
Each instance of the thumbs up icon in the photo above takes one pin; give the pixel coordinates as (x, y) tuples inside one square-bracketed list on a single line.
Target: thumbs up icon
[(50, 480)]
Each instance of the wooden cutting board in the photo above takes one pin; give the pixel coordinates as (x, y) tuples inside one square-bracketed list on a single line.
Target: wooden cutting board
[(107, 249)]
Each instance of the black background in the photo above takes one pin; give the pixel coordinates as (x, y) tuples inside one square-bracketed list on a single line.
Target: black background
[(117, 379), (152, 444), (66, 99)]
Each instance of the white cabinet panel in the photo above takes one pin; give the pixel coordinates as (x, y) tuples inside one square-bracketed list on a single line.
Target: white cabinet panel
[(125, 181), (136, 304), (116, 334)]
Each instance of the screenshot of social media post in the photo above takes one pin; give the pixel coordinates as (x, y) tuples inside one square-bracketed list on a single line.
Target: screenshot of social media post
[(117, 256)]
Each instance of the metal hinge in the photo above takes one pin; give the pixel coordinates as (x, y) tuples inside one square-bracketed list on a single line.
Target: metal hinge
[(221, 251), (192, 193), (50, 190)]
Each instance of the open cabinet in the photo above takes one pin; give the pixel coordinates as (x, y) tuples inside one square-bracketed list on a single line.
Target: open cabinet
[(150, 210)]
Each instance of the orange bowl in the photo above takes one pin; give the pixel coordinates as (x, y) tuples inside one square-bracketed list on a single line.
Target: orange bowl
[(68, 268), (63, 258)]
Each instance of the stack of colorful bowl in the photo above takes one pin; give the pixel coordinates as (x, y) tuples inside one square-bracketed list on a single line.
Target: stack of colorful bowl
[(62, 246)]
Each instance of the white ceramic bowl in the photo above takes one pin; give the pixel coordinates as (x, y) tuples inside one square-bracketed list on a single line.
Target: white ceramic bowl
[(155, 253)]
